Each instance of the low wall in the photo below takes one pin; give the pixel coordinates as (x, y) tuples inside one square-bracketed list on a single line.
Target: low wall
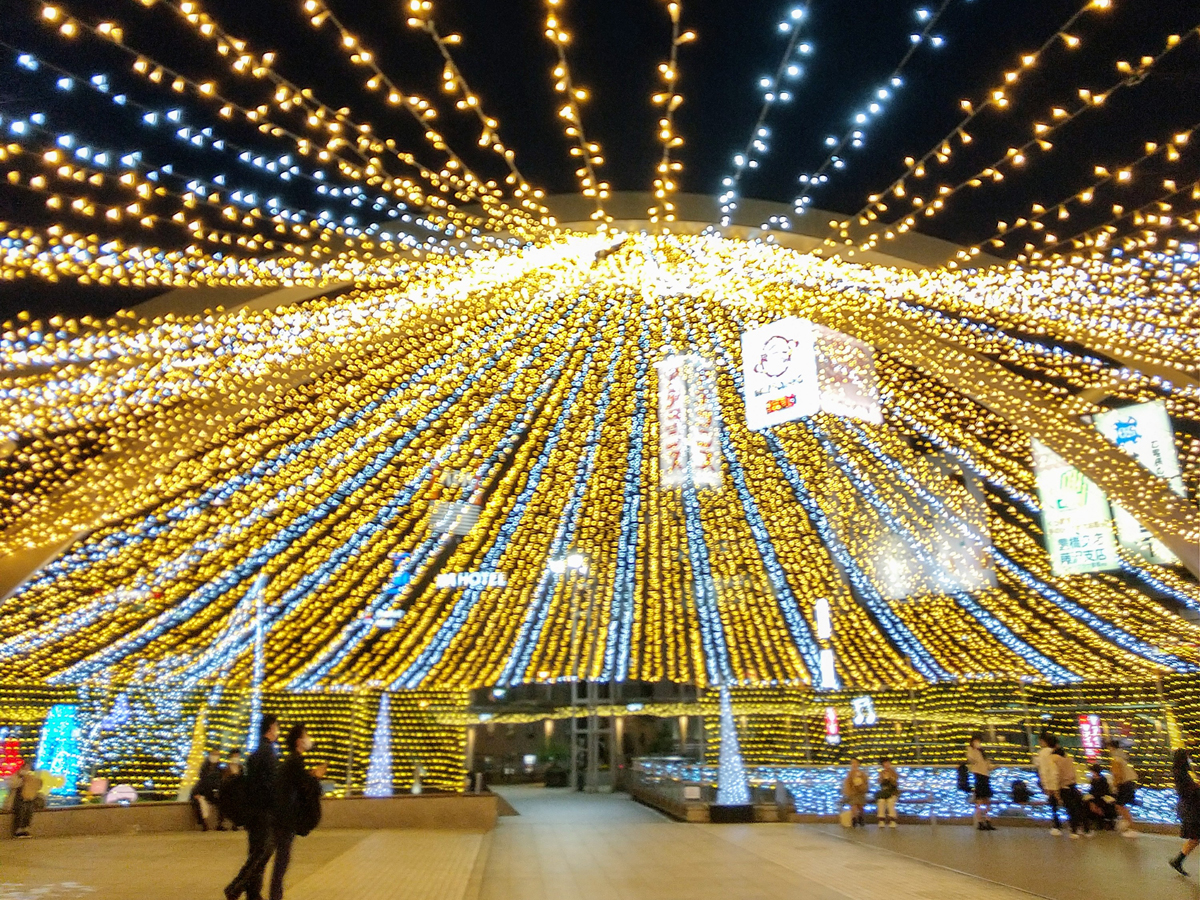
[(446, 812)]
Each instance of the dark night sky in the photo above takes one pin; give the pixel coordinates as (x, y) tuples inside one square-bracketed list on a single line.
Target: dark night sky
[(617, 45)]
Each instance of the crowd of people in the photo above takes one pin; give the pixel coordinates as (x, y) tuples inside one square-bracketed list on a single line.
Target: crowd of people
[(1101, 804)]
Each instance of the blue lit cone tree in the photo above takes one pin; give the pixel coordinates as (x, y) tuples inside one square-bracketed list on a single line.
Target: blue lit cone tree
[(379, 769), (733, 788)]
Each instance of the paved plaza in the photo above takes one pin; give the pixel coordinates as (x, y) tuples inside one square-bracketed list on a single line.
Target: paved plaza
[(607, 847)]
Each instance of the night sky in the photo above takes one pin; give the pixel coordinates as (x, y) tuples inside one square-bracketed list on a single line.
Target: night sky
[(618, 43)]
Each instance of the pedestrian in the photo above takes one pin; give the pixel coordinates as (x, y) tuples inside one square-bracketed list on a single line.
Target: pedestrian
[(1048, 778), (297, 803), (854, 792), (1125, 787), (25, 787), (231, 798), (1068, 791), (980, 768), (1188, 808), (261, 770), (888, 793), (204, 791)]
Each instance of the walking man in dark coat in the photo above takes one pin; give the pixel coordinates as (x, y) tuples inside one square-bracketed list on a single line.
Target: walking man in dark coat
[(261, 770), (297, 803)]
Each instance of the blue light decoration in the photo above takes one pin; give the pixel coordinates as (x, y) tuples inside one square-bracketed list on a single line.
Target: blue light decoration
[(733, 787), (58, 749), (775, 90), (855, 137), (379, 769)]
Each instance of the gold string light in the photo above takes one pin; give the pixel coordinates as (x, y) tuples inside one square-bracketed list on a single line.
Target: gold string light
[(997, 98), (420, 15), (1122, 175), (668, 99), (1017, 157), (586, 153)]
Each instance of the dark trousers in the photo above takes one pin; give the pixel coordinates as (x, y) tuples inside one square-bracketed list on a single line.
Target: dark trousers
[(1073, 802), (260, 845), (283, 857), (1052, 799), (22, 813)]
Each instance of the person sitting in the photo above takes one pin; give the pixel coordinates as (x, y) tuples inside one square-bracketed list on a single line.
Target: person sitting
[(228, 809), (1101, 804)]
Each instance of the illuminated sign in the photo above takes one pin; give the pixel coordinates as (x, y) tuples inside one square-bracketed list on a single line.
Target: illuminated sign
[(1145, 433), (58, 750), (824, 619), (1091, 736), (1076, 518), (832, 735), (689, 439), (828, 673), (846, 376), (454, 580), (864, 711), (779, 372)]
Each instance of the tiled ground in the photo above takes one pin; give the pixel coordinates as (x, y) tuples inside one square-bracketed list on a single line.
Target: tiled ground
[(578, 847)]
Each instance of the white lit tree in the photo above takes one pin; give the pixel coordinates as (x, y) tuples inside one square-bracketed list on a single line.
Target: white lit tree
[(379, 769), (733, 788)]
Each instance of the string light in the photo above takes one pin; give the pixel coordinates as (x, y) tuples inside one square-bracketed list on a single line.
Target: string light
[(789, 70), (1016, 157), (996, 98), (855, 137), (668, 98), (586, 153), (1060, 211)]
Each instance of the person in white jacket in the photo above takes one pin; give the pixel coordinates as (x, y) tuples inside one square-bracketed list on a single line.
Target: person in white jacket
[(1048, 777)]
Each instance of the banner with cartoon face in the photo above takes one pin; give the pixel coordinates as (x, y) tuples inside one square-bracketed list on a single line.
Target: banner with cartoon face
[(779, 372)]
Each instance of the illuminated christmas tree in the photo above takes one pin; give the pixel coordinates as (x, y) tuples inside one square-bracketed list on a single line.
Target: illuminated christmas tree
[(379, 770), (733, 789)]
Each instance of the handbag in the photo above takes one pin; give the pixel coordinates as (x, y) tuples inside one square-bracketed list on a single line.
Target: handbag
[(846, 818)]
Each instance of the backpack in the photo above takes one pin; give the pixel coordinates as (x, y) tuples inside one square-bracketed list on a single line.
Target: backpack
[(308, 806), (1020, 791), (964, 778)]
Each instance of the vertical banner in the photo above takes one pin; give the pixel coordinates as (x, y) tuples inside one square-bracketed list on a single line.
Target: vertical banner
[(846, 376), (689, 423), (1145, 433), (779, 373), (672, 422), (704, 425), (1075, 517)]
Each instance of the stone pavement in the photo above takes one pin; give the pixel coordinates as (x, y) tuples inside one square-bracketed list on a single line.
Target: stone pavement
[(607, 847)]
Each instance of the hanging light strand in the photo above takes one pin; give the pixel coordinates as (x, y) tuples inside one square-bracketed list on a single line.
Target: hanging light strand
[(1122, 175), (997, 98), (446, 213), (587, 153), (1017, 157), (666, 181), (337, 122), (1100, 237), (788, 70), (453, 81), (855, 137)]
